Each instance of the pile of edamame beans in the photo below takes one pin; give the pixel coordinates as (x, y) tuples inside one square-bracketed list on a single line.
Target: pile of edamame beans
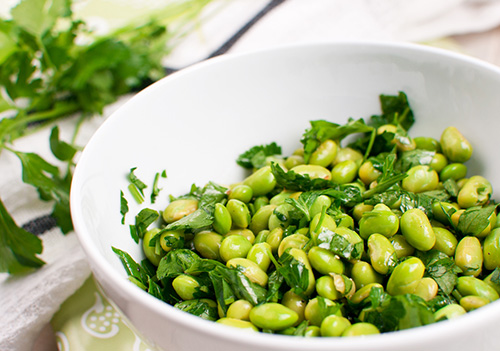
[(344, 254)]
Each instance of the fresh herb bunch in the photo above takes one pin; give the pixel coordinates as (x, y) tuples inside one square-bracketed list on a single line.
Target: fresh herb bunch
[(53, 66)]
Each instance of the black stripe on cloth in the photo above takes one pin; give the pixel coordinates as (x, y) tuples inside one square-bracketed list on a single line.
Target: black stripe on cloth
[(236, 36), (45, 223), (40, 225)]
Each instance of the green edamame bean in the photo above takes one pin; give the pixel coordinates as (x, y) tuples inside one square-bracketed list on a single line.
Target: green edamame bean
[(171, 239), (475, 192), (403, 249), (239, 309), (382, 254), (188, 288), (241, 192), (417, 229), (491, 249), (449, 312), (453, 171), (280, 216), (234, 246), (261, 181), (208, 244), (260, 254), (316, 308), (363, 292), (273, 316), (493, 284), (325, 287), (446, 242), (469, 256), (319, 204), (455, 146), (438, 162), (312, 331), (240, 214), (380, 220), (405, 277), (294, 160), (150, 251), (325, 154), (468, 285), (360, 329), (363, 274), (295, 240), (247, 233), (439, 208), (250, 269), (261, 236), (359, 209), (470, 303), (260, 220), (324, 261), (280, 198), (345, 172), (237, 323), (334, 325), (344, 220), (274, 239), (420, 178), (427, 143), (367, 173), (222, 219), (347, 153), (427, 289), (319, 223), (178, 209), (313, 171), (260, 202), (295, 303)]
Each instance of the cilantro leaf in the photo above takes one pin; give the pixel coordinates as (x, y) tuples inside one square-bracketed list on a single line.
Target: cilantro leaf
[(395, 110), (255, 157), (200, 308), (441, 268)]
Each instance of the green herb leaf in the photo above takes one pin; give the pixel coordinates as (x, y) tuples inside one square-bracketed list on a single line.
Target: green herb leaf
[(294, 272), (176, 262), (339, 245), (200, 308), (255, 157), (123, 206), (138, 184), (38, 16), (142, 221), (197, 220), (391, 313), (62, 150), (475, 219), (322, 130), (132, 268), (18, 248), (442, 269)]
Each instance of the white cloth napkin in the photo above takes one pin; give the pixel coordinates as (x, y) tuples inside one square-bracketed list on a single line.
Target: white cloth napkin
[(28, 302)]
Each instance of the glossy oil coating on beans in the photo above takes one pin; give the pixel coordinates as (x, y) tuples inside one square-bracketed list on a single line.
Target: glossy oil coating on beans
[(331, 240)]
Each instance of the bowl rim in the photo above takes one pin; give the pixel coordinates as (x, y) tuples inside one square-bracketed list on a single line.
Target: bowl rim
[(436, 331)]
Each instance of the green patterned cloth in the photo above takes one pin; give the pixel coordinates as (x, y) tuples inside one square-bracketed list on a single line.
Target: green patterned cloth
[(87, 321)]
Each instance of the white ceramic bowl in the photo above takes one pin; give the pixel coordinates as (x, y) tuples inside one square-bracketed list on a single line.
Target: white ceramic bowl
[(195, 123)]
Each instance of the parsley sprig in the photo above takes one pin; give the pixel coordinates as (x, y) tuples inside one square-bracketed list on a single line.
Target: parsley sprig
[(53, 66)]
